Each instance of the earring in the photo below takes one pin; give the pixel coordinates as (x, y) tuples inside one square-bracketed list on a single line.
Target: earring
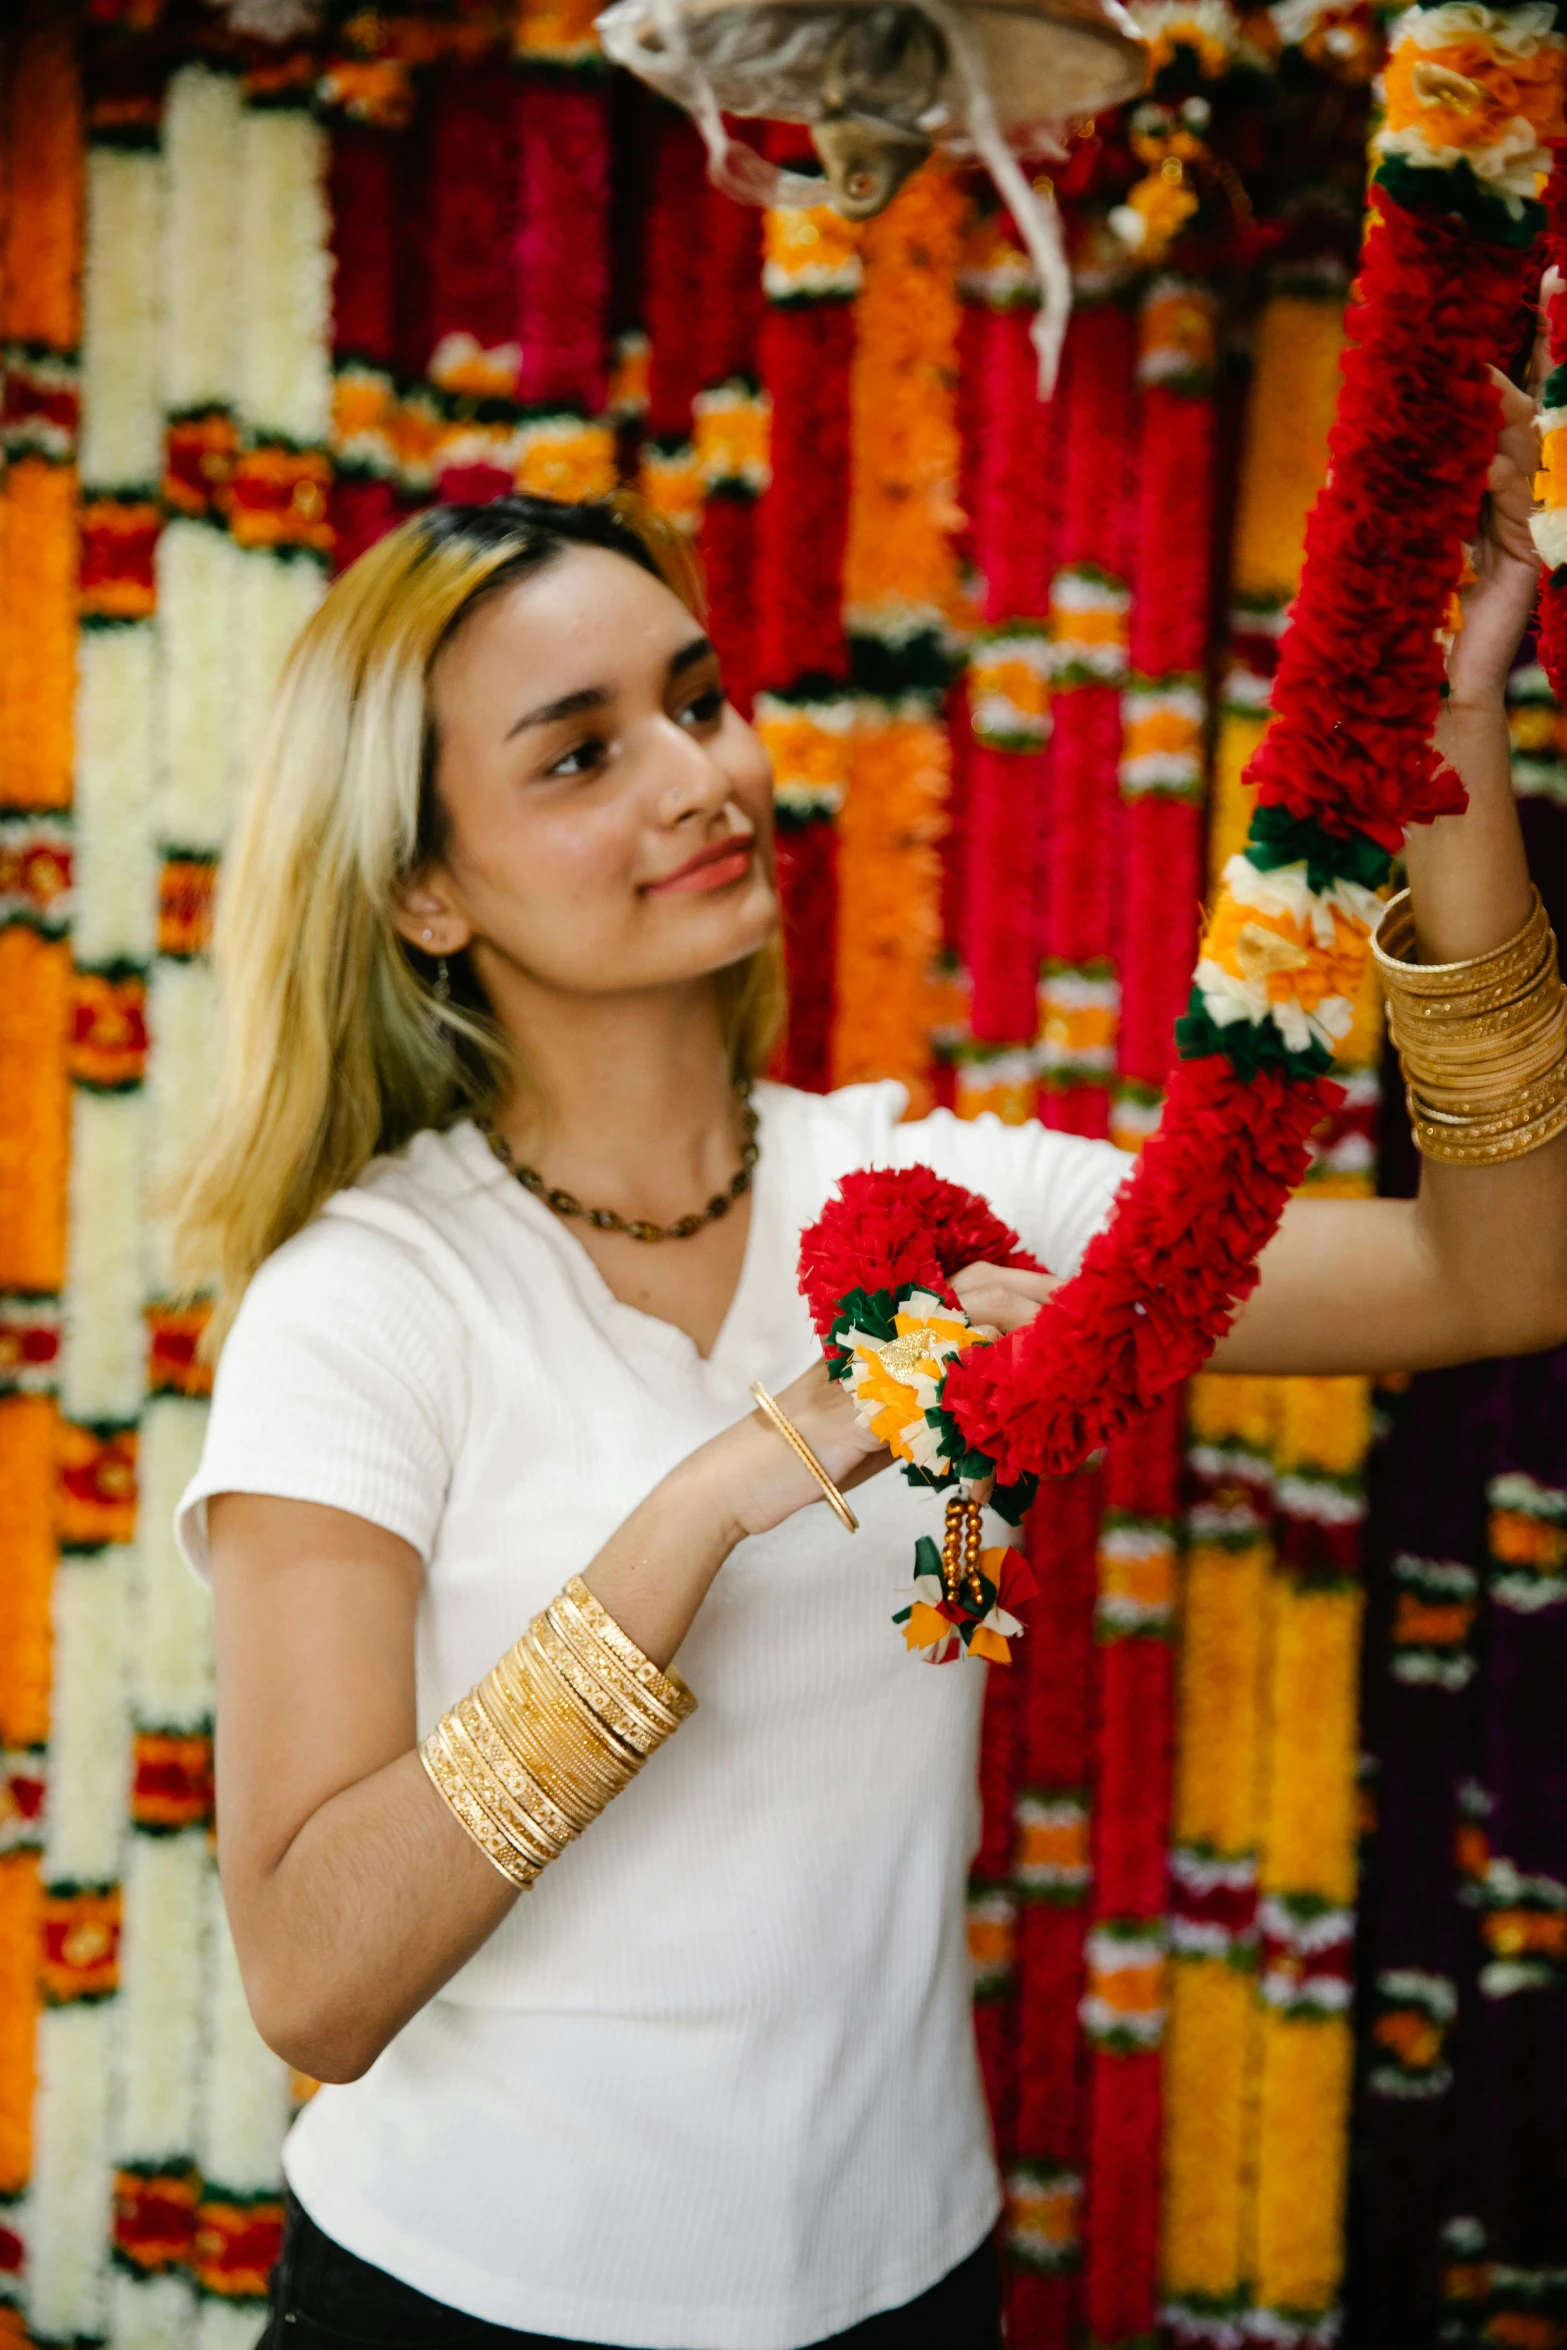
[(443, 983), (427, 933)]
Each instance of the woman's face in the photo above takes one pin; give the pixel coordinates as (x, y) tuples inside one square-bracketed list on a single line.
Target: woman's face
[(608, 814)]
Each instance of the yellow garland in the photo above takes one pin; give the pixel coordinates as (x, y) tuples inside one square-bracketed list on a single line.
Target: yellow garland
[(39, 288), (900, 584), (889, 917), (1257, 2090), (21, 1926), (37, 633), (42, 225), (1211, 2046), (41, 174), (35, 1020), (1299, 338)]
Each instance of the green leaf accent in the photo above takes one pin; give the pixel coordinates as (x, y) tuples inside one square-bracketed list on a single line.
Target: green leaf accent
[(1011, 1501), (927, 1559), (1459, 194), (1553, 392), (1248, 1045), (872, 1310), (1277, 838)]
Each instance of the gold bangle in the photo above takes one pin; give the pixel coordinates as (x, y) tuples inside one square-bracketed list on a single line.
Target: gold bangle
[(447, 1780), (602, 1662), (1444, 1143), (530, 1789), (534, 1826), (562, 1722), (1465, 987), (602, 1736), (802, 1451), (487, 1786), (667, 1686), (631, 1727), (579, 1776)]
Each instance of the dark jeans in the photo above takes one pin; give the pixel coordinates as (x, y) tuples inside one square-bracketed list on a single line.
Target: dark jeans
[(322, 2295)]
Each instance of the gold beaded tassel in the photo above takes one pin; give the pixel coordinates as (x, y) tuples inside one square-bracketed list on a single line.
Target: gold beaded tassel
[(960, 1551)]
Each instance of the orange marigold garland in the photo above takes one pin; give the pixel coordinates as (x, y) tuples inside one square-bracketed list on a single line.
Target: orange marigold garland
[(900, 591), (41, 155)]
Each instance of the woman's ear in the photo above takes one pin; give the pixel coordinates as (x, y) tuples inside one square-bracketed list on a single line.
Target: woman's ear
[(425, 913)]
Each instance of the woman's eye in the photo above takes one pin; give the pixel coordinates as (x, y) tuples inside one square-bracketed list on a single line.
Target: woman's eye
[(706, 709), (584, 758)]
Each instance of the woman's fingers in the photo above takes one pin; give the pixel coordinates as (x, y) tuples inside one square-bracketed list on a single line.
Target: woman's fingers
[(1002, 1295)]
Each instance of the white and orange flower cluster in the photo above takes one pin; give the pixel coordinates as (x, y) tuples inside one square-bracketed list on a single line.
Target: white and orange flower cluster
[(1276, 949), (1482, 86), (896, 1381)]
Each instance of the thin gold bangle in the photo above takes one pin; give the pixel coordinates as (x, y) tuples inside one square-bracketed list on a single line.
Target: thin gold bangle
[(667, 1687), (797, 1444)]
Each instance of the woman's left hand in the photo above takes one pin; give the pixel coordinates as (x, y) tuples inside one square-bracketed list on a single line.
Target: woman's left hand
[(1497, 605), (1002, 1297)]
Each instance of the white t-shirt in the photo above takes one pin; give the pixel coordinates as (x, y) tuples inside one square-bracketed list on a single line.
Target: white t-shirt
[(711, 2085)]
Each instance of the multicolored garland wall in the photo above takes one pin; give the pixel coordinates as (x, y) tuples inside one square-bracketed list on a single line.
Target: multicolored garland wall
[(266, 287)]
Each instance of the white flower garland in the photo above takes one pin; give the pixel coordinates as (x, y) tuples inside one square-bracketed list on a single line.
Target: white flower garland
[(201, 137), (284, 358)]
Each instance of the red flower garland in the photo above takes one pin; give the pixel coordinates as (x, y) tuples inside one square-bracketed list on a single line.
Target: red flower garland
[(364, 207), (1006, 788), (1096, 530), (1359, 684), (562, 250), (1349, 741)]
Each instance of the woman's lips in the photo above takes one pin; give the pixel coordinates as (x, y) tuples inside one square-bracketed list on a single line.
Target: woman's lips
[(712, 868)]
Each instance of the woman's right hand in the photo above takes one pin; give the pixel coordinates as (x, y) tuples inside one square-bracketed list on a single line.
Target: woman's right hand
[(756, 1477)]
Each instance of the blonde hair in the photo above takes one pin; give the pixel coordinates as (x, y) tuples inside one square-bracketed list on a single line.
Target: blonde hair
[(336, 1046)]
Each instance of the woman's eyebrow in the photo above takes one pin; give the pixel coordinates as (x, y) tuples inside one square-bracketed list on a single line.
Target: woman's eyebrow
[(688, 656), (597, 697), (588, 697)]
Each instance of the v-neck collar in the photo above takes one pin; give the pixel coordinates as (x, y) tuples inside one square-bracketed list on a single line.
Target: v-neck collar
[(735, 1332)]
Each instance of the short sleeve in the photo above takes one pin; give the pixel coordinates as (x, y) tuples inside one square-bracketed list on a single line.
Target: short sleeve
[(341, 1382), (1055, 1190)]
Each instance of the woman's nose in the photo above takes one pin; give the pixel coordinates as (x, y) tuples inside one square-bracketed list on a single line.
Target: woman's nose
[(691, 780)]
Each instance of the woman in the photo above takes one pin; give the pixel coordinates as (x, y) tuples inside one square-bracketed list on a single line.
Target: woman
[(504, 905)]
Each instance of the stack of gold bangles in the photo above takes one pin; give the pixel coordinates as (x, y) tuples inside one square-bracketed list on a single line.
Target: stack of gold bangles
[(1484, 1044), (530, 1757)]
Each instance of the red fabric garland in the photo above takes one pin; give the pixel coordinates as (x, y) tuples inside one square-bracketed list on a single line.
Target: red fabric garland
[(805, 352), (807, 855), (672, 286), (1348, 742), (562, 249), (1007, 792), (1086, 740), (364, 180), (1159, 1287), (886, 1229), (470, 207), (1169, 636)]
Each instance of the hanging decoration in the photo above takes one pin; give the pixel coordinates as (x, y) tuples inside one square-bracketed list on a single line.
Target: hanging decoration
[(811, 274), (1284, 948), (1011, 500), (1090, 603), (41, 150), (1276, 1464), (900, 593)]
